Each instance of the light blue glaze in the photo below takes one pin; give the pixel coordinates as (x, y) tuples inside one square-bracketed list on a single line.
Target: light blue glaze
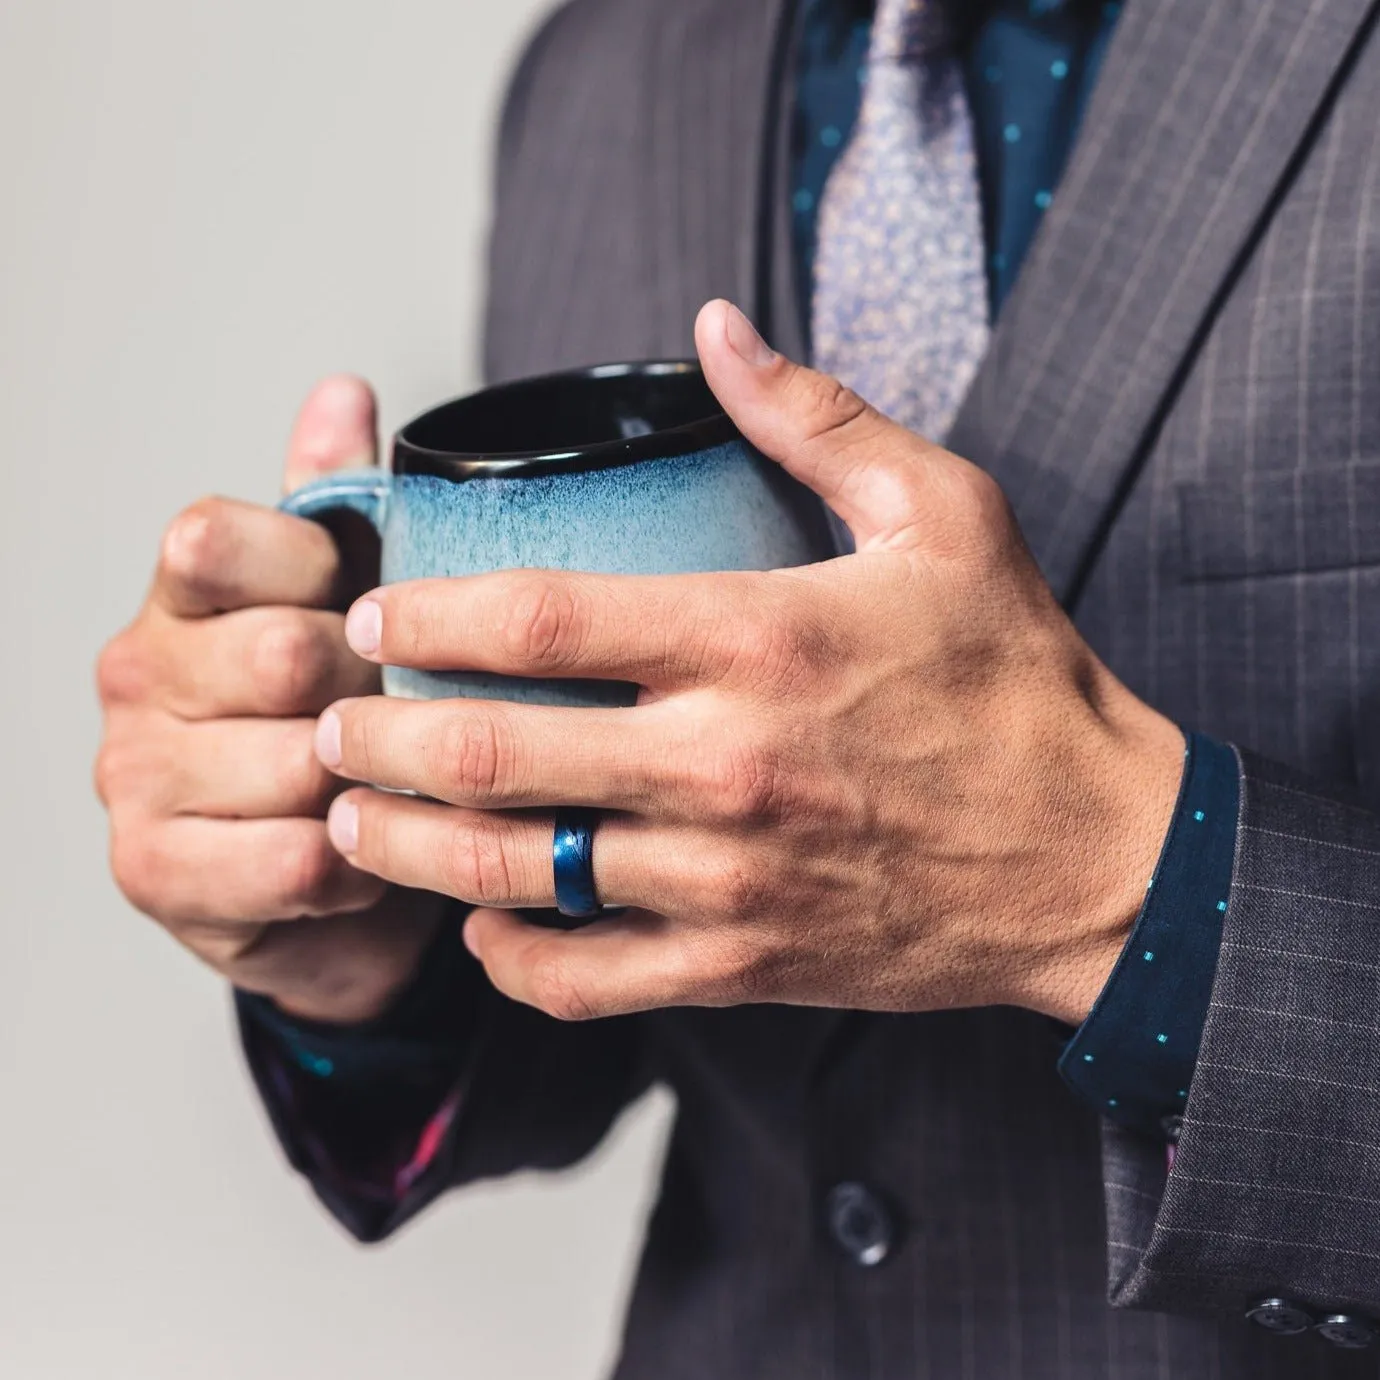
[(722, 509)]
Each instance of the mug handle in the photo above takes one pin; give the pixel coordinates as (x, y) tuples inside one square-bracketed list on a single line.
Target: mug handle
[(355, 491)]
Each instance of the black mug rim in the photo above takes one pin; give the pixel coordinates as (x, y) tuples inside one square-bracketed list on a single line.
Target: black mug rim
[(705, 433)]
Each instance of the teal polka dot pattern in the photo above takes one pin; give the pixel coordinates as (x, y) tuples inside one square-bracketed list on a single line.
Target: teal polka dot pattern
[(1037, 70), (1032, 66), (829, 77), (1135, 1053), (1050, 55), (400, 1065)]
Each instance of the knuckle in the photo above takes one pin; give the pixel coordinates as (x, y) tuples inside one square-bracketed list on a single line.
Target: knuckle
[(139, 763), (115, 767), (298, 777), (475, 757), (741, 890), (545, 625), (306, 866), (824, 405), (742, 782), (122, 673), (290, 664), (778, 651), (983, 524), (555, 991), (476, 866), (756, 642), (195, 540), (136, 863), (227, 948), (982, 498), (753, 975), (103, 777)]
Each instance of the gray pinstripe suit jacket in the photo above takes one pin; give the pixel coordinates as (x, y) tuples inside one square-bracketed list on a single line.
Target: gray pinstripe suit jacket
[(1182, 400)]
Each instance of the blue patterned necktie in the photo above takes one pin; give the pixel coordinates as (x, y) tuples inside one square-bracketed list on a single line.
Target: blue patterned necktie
[(900, 302)]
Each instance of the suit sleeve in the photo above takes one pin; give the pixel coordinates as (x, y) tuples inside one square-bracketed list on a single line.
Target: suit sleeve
[(455, 1083), (1273, 1197), (462, 1084)]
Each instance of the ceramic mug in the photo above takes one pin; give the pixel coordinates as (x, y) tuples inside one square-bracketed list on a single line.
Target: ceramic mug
[(621, 469)]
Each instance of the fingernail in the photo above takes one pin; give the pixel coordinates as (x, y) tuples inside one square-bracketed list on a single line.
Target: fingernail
[(342, 825), (328, 751), (747, 344), (364, 627), (341, 400)]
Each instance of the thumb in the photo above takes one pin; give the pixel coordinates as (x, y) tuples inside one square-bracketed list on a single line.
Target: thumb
[(336, 429), (885, 482)]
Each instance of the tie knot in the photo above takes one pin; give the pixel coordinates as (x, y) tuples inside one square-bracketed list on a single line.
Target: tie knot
[(907, 30)]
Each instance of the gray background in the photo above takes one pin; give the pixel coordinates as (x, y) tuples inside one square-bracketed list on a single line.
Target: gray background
[(206, 206)]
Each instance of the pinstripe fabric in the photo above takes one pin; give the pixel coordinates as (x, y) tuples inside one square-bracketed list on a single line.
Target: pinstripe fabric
[(624, 83), (1183, 400)]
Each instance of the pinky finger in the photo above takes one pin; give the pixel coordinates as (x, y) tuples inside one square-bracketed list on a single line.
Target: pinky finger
[(634, 961)]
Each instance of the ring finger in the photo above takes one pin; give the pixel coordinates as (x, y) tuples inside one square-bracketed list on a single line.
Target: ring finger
[(498, 858)]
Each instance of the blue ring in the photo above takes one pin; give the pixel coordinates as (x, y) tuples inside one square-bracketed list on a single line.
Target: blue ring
[(572, 863)]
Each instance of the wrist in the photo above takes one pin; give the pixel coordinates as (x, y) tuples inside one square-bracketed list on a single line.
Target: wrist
[(368, 963), (1133, 771)]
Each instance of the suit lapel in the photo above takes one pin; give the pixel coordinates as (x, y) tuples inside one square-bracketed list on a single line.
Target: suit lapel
[(1201, 109), (711, 110), (1199, 113), (775, 298)]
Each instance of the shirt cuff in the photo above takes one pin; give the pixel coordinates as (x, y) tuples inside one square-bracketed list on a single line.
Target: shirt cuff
[(366, 1106), (1133, 1057)]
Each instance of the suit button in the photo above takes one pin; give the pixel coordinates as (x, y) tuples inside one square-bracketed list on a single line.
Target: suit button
[(1280, 1316), (859, 1224), (1342, 1330)]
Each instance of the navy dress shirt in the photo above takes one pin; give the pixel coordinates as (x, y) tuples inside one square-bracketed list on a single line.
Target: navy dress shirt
[(1030, 67)]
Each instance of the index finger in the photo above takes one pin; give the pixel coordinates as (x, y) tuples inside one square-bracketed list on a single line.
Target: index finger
[(221, 554), (660, 631)]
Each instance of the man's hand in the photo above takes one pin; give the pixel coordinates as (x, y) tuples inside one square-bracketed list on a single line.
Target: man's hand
[(217, 802), (898, 780)]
